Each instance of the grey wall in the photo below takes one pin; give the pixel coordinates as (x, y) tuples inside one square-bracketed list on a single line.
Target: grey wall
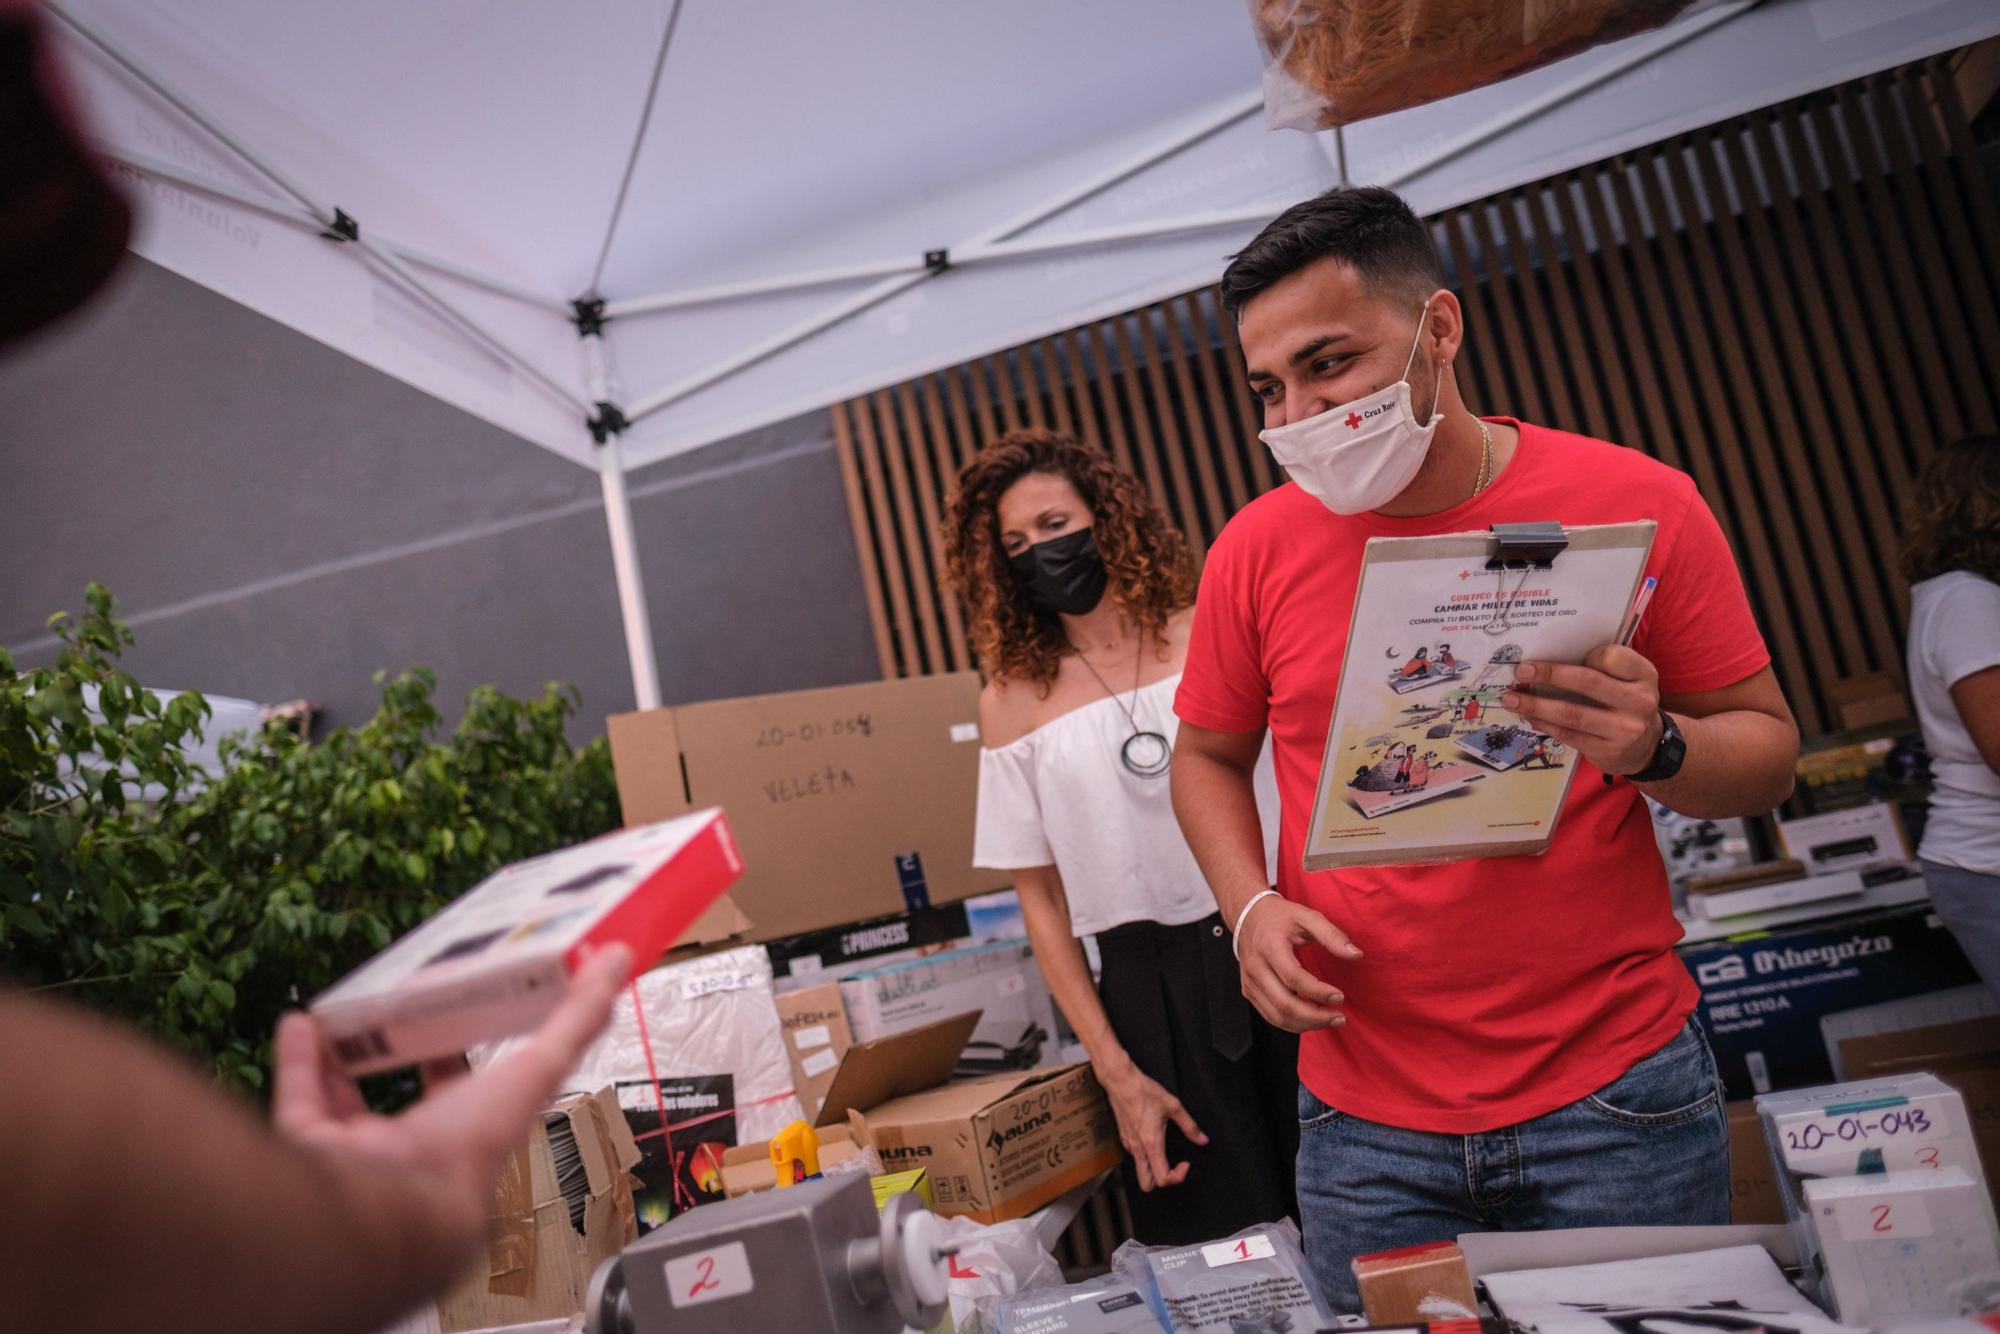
[(279, 521)]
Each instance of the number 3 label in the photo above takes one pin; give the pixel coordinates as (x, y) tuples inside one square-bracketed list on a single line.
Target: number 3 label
[(709, 1276)]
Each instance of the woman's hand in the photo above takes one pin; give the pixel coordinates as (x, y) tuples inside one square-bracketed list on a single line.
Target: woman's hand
[(1143, 1107)]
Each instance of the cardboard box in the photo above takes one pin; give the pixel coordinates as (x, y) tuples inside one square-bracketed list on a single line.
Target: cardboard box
[(851, 802), (1000, 1146), (1766, 995), (816, 1037), (1000, 981), (746, 1168), (843, 951), (1893, 1244), (1868, 701), (1753, 1185), (495, 961), (1849, 840), (996, 1147), (543, 1247), (1717, 904), (1965, 1055), (1394, 1283), (889, 1185), (1885, 762)]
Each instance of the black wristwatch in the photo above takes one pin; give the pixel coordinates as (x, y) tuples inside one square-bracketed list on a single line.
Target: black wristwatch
[(1668, 756)]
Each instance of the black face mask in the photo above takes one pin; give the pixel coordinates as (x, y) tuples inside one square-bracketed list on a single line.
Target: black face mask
[(1064, 574)]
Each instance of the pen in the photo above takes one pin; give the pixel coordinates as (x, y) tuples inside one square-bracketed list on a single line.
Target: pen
[(1638, 609), (1631, 627)]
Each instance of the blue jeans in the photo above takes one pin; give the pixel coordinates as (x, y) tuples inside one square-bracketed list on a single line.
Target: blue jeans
[(1650, 1148), (1969, 903)]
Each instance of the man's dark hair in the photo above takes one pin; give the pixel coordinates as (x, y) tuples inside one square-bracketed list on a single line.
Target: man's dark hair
[(1365, 226)]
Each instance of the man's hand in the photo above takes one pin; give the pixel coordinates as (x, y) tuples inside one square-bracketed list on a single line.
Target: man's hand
[(1143, 1107), (1613, 719), (447, 1151), (1273, 978)]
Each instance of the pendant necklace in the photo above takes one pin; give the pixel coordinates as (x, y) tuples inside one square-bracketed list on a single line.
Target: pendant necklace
[(1146, 754)]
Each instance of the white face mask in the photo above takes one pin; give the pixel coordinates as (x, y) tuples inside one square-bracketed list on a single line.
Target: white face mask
[(1359, 456)]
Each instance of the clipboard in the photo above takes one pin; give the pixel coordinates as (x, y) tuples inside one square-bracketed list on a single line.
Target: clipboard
[(1422, 762)]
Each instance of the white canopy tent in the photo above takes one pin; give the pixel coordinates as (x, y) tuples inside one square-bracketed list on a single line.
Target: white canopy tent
[(626, 229)]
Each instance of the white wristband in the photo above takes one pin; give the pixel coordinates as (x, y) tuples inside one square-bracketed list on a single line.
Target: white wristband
[(1255, 899)]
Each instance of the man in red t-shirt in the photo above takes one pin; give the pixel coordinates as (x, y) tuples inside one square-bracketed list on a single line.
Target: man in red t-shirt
[(1492, 1044)]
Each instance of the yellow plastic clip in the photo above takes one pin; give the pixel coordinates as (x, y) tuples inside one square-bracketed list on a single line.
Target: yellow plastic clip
[(795, 1154)]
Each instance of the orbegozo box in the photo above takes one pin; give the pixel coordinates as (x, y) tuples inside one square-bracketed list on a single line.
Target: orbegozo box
[(495, 960)]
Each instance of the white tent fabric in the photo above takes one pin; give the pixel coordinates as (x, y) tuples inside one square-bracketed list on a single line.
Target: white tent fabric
[(798, 138), (753, 189)]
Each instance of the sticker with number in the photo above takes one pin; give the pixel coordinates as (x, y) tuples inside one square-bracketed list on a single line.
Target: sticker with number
[(819, 1063), (1879, 1217), (709, 1276), (1220, 1253), (696, 988), (819, 1035)]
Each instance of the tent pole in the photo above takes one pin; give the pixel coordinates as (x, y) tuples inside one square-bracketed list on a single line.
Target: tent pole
[(1216, 118), (784, 282), (1201, 127), (624, 541)]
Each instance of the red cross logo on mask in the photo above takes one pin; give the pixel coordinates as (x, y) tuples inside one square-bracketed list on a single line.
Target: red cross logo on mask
[(1353, 421)]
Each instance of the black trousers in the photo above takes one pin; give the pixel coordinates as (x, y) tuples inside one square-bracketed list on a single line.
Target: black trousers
[(1173, 998)]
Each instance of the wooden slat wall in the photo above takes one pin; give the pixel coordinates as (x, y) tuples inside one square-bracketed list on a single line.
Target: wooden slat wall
[(1796, 307)]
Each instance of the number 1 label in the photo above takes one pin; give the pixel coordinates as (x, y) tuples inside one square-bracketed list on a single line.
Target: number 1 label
[(1219, 1253)]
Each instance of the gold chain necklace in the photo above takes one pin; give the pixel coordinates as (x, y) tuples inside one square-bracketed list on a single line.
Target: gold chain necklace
[(1485, 459)]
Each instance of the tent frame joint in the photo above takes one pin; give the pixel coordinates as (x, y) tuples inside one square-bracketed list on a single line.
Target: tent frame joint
[(937, 261), (607, 421), (589, 317), (343, 228)]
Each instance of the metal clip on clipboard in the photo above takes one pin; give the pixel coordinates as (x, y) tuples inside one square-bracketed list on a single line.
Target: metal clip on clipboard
[(1527, 546)]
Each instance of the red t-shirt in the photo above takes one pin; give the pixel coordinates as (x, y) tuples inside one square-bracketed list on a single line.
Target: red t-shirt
[(1496, 990)]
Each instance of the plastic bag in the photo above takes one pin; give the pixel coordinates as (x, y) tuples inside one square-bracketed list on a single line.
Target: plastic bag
[(718, 1048), (1107, 1305), (1255, 1281), (1333, 62), (995, 1261)]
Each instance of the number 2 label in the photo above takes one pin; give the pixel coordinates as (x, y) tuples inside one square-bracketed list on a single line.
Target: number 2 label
[(1873, 1220), (709, 1276)]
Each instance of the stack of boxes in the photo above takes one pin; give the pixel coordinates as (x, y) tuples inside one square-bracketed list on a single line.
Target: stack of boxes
[(1882, 1184)]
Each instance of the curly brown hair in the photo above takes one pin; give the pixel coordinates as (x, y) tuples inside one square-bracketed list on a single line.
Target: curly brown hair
[(1151, 569), (1954, 517)]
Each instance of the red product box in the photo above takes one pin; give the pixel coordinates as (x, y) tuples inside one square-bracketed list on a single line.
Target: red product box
[(495, 961)]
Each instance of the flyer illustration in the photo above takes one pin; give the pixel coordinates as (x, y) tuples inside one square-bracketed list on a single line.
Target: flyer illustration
[(1423, 761)]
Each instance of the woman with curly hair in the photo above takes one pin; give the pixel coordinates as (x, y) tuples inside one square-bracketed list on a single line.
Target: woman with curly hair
[(1951, 554), (1079, 597)]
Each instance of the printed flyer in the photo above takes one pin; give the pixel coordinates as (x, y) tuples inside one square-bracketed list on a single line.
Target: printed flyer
[(1423, 763)]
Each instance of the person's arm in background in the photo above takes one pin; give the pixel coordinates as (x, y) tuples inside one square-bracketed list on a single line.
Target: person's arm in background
[(1141, 1104), (1215, 801), (139, 1197), (1977, 699)]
